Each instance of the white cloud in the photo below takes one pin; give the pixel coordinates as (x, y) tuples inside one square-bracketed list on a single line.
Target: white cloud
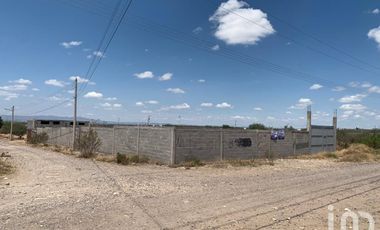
[(22, 81), (366, 85), (93, 94), (71, 44), (176, 90), (375, 35), (257, 109), (376, 11), (374, 89), (352, 98), (201, 80), (354, 84), (106, 104), (316, 87), (302, 103), (354, 107), (180, 106), (207, 104), (215, 48), (139, 103), (166, 77), (36, 89), (144, 75), (146, 111), (56, 98), (55, 82), (111, 99), (98, 54), (17, 87), (80, 79), (271, 118), (116, 105), (152, 102), (8, 95), (238, 24), (224, 105), (338, 89), (238, 117), (197, 30)]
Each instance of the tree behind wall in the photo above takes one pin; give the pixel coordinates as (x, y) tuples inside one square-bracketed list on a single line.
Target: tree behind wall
[(257, 126)]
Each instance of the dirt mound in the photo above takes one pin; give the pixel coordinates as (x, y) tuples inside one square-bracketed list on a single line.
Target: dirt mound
[(357, 153)]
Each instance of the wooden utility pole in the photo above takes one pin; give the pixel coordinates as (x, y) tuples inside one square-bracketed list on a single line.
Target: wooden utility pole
[(12, 109), (75, 112)]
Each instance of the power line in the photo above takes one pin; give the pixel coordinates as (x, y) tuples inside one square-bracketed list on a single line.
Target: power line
[(109, 42)]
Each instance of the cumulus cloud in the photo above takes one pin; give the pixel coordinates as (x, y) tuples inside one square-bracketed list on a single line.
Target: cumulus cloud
[(139, 103), (8, 95), (144, 75), (302, 103), (352, 98), (110, 98), (55, 82), (374, 89), (257, 109), (201, 80), (238, 24), (176, 90), (22, 81), (316, 87), (71, 44), (215, 48), (80, 79), (224, 105), (375, 35), (353, 107), (180, 106), (166, 77), (93, 94), (197, 30), (207, 104), (238, 117), (152, 102), (338, 89), (17, 87), (376, 11)]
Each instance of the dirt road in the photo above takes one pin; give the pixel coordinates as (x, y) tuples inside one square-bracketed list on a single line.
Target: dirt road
[(53, 191)]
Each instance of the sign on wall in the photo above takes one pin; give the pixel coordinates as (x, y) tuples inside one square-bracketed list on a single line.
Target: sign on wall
[(277, 135)]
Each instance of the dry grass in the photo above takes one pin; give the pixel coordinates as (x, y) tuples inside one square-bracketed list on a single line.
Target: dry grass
[(354, 153), (358, 153), (242, 163), (105, 158), (5, 167)]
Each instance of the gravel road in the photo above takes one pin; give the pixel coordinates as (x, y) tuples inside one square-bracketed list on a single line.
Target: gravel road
[(50, 190)]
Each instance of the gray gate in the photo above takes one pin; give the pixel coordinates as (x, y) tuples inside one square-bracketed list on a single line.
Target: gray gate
[(322, 139)]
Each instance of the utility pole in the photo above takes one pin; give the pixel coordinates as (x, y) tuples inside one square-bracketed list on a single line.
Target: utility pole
[(75, 112), (12, 109)]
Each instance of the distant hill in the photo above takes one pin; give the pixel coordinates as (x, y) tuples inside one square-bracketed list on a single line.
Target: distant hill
[(39, 117)]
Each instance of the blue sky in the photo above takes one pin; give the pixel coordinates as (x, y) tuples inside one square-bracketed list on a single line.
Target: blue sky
[(195, 62)]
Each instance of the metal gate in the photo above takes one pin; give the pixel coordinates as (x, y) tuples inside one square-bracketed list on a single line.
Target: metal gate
[(322, 139)]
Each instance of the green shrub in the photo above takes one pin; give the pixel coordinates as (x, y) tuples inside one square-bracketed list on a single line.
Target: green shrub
[(88, 144), (38, 138)]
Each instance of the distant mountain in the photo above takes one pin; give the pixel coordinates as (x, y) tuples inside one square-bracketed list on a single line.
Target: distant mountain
[(40, 117)]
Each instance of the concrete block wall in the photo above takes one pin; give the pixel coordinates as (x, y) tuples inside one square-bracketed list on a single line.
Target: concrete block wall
[(172, 145), (154, 142), (211, 144)]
